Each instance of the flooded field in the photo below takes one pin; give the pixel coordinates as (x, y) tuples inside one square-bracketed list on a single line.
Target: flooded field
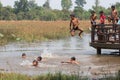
[(55, 51)]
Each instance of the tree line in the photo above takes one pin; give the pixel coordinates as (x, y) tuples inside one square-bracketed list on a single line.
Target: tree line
[(29, 10)]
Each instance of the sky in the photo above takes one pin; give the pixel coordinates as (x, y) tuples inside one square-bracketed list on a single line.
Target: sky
[(56, 4)]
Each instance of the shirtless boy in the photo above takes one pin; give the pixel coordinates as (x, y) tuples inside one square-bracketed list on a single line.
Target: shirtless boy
[(71, 61), (114, 15), (93, 18), (74, 22)]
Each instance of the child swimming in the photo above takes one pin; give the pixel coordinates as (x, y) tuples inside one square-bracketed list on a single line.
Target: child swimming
[(71, 61), (23, 55), (35, 63), (39, 58)]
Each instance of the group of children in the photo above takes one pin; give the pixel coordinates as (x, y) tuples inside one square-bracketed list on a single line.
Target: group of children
[(36, 61), (112, 18)]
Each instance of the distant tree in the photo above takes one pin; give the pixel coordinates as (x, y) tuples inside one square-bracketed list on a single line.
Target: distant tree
[(118, 7), (86, 15), (80, 3), (97, 3), (48, 15), (1, 5), (21, 16), (79, 8), (21, 5), (66, 4), (32, 4), (65, 15), (96, 7), (78, 11), (0, 10), (47, 4), (7, 13), (29, 10)]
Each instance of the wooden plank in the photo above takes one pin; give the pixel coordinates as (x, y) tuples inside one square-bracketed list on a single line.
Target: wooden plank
[(107, 25), (105, 45)]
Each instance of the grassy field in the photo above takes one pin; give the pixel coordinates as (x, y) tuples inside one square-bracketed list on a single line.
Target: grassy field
[(35, 30), (57, 76)]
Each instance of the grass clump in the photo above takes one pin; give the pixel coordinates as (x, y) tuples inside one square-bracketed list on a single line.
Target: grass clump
[(59, 76), (49, 76), (13, 76), (56, 76), (116, 77)]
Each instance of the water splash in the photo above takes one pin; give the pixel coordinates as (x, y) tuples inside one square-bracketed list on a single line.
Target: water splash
[(86, 41), (46, 54), (73, 43), (26, 63)]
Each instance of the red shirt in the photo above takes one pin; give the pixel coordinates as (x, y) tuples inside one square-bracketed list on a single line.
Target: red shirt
[(102, 19)]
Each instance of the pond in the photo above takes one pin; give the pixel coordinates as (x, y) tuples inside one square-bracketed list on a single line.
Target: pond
[(53, 52)]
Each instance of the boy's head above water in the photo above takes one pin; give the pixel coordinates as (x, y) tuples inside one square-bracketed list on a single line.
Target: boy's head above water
[(72, 58), (23, 55), (39, 58), (35, 63)]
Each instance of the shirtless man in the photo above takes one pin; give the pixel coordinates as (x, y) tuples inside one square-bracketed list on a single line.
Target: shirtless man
[(93, 18), (114, 15), (74, 22)]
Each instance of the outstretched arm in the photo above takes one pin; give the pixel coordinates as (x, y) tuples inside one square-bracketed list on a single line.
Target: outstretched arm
[(65, 62), (71, 62)]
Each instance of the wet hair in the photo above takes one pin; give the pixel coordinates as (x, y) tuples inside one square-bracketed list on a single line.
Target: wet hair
[(112, 6), (73, 58), (72, 15), (39, 58), (23, 54), (35, 61)]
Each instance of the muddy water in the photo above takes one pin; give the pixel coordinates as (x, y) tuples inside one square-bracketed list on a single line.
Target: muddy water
[(53, 52)]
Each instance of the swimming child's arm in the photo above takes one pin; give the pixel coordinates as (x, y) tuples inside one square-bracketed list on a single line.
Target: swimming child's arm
[(65, 62), (76, 62)]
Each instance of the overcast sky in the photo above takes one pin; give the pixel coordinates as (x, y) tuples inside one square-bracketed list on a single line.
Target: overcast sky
[(56, 4)]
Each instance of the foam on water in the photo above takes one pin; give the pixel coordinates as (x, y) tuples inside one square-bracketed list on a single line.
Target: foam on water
[(26, 63), (46, 65), (46, 54)]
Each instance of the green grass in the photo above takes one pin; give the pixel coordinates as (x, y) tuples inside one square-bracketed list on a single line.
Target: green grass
[(49, 76), (13, 76), (60, 76), (57, 76), (116, 77)]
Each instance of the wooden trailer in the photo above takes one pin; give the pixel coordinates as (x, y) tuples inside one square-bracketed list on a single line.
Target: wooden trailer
[(105, 36)]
